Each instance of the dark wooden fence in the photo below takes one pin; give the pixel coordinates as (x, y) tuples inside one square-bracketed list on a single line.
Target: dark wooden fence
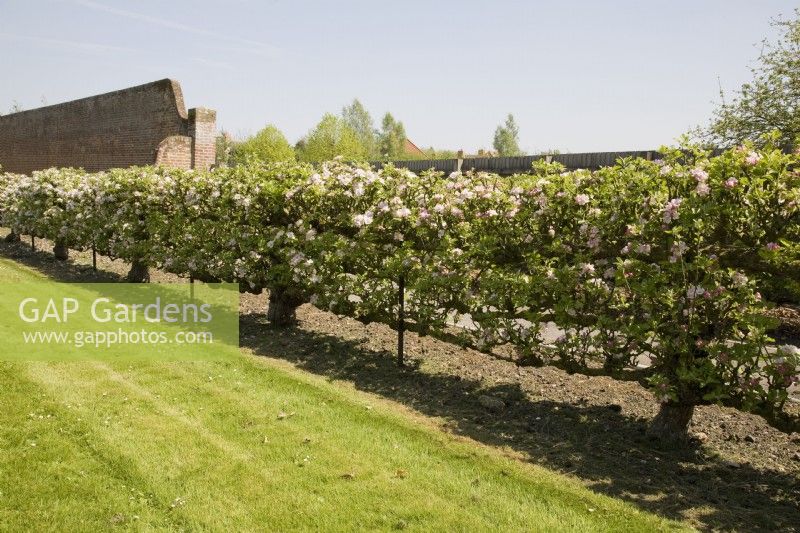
[(507, 166)]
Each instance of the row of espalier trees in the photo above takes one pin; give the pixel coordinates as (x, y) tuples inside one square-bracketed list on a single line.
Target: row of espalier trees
[(666, 259)]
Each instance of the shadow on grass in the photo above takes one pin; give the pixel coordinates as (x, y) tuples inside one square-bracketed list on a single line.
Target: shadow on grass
[(607, 450), (42, 260), (604, 448)]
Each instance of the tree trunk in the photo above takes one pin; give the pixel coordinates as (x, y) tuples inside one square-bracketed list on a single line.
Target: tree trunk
[(282, 307), (139, 273), (60, 251), (671, 424), (12, 237)]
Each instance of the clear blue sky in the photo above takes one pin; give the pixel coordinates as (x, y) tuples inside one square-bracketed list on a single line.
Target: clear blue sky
[(578, 75)]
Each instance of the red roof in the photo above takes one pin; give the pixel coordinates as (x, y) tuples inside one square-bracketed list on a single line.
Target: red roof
[(411, 148)]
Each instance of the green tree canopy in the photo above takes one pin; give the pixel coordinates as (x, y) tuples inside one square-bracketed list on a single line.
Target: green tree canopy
[(268, 144), (358, 118), (224, 144), (771, 101), (506, 138), (392, 137), (332, 137)]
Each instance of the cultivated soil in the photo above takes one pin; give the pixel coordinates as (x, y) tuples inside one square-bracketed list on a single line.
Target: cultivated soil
[(738, 473)]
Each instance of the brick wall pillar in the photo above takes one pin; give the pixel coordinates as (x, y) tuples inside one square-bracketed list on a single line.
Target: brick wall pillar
[(203, 131)]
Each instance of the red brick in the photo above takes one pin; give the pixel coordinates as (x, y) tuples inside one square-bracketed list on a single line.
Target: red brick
[(142, 125)]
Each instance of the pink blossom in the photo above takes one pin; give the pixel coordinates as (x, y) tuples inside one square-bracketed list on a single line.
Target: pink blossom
[(671, 210), (773, 246), (695, 291), (752, 158), (677, 251), (730, 183), (582, 199), (643, 249), (363, 220), (699, 174), (789, 349), (702, 189)]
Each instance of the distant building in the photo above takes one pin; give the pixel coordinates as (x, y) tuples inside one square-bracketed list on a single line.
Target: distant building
[(410, 148)]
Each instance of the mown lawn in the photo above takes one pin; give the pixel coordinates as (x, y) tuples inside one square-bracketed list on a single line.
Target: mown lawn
[(253, 444)]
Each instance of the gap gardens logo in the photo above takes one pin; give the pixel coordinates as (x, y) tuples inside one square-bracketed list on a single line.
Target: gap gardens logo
[(64, 321)]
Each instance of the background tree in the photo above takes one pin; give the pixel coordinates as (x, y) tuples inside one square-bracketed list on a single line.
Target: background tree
[(269, 144), (358, 118), (391, 138), (332, 137), (224, 144), (506, 138), (433, 153), (769, 102)]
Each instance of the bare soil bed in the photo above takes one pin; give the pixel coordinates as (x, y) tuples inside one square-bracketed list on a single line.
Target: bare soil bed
[(738, 474)]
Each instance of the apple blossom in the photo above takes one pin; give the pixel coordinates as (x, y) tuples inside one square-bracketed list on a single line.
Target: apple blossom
[(695, 291), (752, 158), (582, 199)]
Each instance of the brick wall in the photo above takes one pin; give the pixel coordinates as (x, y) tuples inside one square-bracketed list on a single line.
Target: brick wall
[(175, 151), (203, 131), (140, 125)]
